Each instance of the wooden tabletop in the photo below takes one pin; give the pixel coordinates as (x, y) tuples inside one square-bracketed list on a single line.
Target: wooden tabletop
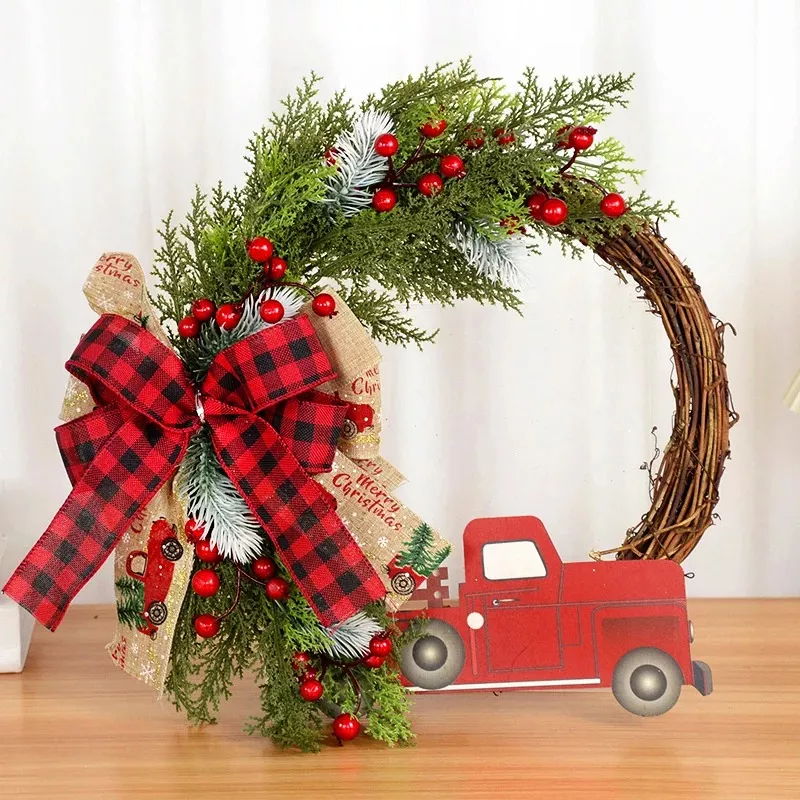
[(73, 726)]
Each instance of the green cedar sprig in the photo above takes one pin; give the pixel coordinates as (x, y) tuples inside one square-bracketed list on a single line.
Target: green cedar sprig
[(383, 263)]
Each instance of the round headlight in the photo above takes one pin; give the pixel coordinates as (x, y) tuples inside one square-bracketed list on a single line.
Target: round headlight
[(691, 632)]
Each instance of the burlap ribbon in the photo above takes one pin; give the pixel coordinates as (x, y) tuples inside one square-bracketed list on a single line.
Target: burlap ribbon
[(361, 480)]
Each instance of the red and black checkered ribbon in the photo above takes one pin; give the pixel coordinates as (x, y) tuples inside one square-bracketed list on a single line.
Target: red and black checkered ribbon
[(269, 430)]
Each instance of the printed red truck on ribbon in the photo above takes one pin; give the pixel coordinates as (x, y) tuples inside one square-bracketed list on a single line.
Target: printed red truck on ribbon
[(527, 620)]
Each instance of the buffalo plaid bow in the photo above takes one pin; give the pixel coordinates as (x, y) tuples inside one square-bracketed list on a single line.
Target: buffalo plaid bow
[(120, 455)]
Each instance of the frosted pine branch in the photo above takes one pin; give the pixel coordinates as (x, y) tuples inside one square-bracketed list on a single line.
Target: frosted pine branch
[(348, 640), (358, 166), (491, 255), (213, 500)]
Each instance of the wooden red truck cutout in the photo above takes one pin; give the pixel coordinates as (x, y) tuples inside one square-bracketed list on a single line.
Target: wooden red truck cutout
[(527, 620)]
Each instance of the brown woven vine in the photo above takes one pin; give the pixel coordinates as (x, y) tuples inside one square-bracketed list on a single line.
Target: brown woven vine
[(685, 489)]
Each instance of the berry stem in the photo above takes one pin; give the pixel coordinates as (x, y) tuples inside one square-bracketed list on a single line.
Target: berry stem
[(412, 159), (569, 163), (235, 599)]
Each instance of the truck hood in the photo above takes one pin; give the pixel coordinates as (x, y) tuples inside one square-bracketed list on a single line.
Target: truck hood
[(590, 581)]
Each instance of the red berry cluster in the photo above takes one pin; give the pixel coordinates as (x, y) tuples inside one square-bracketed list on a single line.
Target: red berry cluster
[(429, 184), (227, 316), (311, 688), (205, 582), (345, 726)]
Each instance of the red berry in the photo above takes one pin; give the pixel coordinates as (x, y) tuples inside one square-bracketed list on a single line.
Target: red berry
[(323, 305), (194, 530), (386, 144), (264, 568), (188, 327), (206, 626), (613, 205), (300, 661), (581, 138), (475, 140), (535, 203), (504, 138), (433, 128), (330, 156), (207, 552), (307, 673), (271, 311), (260, 249), (275, 269), (380, 645), (203, 310), (430, 184), (372, 661), (384, 200), (346, 727), (452, 166), (277, 589), (554, 211), (205, 582), (311, 689), (228, 316)]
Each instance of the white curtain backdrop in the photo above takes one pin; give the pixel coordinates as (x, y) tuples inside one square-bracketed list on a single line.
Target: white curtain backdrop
[(110, 112)]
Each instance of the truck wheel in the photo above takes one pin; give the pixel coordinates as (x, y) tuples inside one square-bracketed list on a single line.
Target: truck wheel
[(647, 682), (157, 612), (172, 549), (435, 660), (403, 583)]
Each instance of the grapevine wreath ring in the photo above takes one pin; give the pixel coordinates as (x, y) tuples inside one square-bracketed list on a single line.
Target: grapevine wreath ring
[(429, 191)]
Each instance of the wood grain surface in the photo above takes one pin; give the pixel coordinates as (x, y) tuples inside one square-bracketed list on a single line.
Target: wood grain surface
[(73, 726)]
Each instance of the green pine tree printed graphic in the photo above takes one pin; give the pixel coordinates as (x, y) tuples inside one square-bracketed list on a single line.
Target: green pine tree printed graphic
[(130, 602), (418, 552)]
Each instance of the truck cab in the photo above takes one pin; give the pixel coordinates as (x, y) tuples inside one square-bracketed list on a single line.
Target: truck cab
[(526, 620)]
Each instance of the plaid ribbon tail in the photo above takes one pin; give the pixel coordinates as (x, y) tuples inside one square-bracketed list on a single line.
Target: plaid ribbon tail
[(324, 560), (125, 472)]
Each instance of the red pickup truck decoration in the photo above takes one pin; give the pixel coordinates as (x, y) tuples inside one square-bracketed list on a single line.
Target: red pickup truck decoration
[(527, 620), (158, 564)]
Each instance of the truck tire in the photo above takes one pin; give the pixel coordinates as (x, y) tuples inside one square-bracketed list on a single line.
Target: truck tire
[(157, 612), (172, 549), (436, 659), (647, 682)]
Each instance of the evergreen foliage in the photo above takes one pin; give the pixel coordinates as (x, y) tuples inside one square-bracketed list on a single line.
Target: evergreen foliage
[(381, 263)]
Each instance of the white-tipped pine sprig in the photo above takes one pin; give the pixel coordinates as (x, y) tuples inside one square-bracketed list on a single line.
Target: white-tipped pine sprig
[(491, 252), (213, 339), (213, 500), (358, 166), (350, 639)]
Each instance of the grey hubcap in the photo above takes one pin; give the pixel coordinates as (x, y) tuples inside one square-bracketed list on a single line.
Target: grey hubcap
[(648, 682), (430, 653)]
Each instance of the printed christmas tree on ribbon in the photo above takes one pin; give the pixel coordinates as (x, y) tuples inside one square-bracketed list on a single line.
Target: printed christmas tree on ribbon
[(418, 552), (130, 602)]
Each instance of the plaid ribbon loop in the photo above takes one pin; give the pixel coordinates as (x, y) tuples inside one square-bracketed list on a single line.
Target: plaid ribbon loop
[(270, 431)]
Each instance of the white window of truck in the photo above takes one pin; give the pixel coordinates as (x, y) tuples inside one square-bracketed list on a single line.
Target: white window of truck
[(505, 560)]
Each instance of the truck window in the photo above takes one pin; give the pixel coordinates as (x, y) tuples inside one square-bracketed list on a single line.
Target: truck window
[(504, 560)]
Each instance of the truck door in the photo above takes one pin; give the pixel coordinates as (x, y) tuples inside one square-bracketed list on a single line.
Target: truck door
[(521, 612)]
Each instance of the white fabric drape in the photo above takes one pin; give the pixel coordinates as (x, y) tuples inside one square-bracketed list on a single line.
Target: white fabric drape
[(110, 112)]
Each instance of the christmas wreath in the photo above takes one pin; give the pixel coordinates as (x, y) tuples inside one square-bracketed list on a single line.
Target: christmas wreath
[(231, 456)]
